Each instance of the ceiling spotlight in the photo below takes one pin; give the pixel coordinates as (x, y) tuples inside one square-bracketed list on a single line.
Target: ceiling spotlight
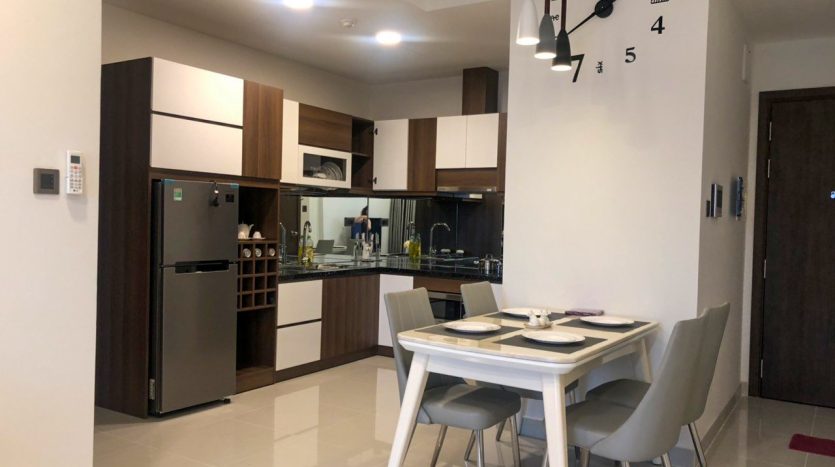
[(389, 37), (298, 4)]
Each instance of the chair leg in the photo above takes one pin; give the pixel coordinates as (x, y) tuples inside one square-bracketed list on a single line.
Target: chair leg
[(479, 441), (665, 460), (584, 458), (499, 430), (545, 459), (470, 445), (514, 438), (697, 444), (438, 445)]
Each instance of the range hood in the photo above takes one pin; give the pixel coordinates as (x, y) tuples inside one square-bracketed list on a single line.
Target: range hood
[(467, 181)]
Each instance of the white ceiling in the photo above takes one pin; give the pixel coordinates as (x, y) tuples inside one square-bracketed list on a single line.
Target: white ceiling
[(776, 20), (440, 37)]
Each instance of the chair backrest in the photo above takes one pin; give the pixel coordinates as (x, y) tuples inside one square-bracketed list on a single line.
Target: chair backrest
[(653, 428), (479, 299), (406, 311), (716, 318)]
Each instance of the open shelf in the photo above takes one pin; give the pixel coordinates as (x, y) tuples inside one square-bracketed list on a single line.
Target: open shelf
[(362, 148)]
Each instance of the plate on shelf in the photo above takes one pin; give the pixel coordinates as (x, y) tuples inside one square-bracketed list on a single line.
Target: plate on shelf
[(471, 327), (523, 312), (607, 321), (553, 337), (333, 170)]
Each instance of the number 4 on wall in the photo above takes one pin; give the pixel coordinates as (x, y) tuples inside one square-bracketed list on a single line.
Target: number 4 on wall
[(658, 26)]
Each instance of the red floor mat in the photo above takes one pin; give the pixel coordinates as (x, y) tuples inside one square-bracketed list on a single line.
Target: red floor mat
[(824, 447)]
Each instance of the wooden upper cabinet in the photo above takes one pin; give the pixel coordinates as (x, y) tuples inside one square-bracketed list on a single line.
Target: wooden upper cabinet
[(422, 143), (263, 131), (350, 313), (391, 155), (324, 128), (195, 93)]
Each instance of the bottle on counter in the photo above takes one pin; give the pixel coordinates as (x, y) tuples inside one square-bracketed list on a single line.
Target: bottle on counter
[(414, 247), (366, 249)]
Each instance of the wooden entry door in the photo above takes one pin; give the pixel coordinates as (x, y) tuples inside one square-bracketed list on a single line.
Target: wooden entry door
[(798, 341)]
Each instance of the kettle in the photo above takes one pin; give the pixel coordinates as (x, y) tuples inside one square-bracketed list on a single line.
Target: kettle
[(243, 231)]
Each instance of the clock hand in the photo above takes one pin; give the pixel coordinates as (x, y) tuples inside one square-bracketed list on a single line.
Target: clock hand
[(603, 8)]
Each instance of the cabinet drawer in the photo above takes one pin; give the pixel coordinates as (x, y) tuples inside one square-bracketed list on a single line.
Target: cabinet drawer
[(297, 345), (299, 302), (182, 144), (192, 92)]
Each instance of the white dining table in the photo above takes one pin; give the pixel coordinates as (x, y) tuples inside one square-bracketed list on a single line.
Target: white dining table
[(521, 366)]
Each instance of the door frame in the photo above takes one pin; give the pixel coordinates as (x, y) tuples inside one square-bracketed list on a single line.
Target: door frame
[(766, 101)]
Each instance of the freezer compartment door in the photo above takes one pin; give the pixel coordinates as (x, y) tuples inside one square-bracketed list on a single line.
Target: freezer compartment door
[(195, 223), (197, 336)]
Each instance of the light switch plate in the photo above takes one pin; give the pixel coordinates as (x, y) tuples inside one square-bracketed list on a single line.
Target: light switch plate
[(46, 182)]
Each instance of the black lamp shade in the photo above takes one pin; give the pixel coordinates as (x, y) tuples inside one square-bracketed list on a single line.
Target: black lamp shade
[(546, 49), (562, 62)]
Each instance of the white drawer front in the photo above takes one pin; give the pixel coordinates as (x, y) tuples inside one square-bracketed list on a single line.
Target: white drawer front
[(297, 345), (299, 302), (182, 144), (193, 92)]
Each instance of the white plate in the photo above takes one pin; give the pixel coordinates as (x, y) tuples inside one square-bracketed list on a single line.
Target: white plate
[(608, 321), (472, 327), (553, 337), (523, 312)]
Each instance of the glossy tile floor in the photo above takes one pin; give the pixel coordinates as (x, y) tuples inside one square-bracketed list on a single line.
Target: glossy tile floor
[(346, 417)]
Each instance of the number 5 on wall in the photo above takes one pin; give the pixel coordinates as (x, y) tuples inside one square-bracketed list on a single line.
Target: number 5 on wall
[(630, 55)]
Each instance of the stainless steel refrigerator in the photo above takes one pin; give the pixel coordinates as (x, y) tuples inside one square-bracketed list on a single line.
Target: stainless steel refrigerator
[(193, 321)]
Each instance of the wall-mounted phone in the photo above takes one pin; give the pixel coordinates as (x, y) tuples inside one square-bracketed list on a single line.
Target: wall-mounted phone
[(75, 173)]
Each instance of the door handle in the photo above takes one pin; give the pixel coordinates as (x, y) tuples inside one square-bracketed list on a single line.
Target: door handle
[(374, 180), (376, 131)]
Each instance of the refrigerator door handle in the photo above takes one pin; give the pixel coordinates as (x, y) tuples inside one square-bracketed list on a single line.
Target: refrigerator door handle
[(194, 268)]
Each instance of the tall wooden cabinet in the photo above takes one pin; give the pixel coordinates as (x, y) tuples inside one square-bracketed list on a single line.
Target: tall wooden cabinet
[(160, 120)]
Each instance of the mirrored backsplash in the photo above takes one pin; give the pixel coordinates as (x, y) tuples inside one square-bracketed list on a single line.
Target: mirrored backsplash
[(475, 225)]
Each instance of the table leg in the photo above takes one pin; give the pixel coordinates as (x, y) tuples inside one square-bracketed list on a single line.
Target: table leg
[(646, 366), (553, 399), (412, 397)]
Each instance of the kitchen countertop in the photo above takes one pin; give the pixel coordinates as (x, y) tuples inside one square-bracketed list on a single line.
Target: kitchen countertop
[(334, 266)]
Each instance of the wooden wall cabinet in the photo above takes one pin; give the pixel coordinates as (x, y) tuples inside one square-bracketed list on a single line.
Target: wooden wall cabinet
[(188, 145), (421, 163), (469, 141), (452, 142), (324, 128), (263, 122), (191, 92), (350, 310)]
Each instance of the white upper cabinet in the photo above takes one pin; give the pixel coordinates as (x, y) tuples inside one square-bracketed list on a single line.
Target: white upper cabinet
[(468, 142), (452, 143), (482, 141), (290, 172), (191, 92), (391, 155), (180, 144)]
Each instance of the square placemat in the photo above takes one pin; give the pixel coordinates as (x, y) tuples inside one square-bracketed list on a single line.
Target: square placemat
[(440, 330), (576, 323), (519, 341)]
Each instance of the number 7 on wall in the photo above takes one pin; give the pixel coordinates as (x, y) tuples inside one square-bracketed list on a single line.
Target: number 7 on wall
[(577, 58)]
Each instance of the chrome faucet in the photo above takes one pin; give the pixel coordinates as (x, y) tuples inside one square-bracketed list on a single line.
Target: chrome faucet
[(432, 250), (282, 247)]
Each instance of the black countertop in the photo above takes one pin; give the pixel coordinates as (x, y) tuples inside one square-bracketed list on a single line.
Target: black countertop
[(398, 265)]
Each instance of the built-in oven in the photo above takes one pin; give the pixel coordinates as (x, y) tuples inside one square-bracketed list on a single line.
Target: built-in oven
[(446, 306)]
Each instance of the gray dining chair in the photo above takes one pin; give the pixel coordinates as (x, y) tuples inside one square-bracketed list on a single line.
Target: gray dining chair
[(447, 401), (651, 429), (479, 300), (629, 392)]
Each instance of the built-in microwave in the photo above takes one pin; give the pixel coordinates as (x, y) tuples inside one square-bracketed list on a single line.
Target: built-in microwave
[(446, 306), (324, 167)]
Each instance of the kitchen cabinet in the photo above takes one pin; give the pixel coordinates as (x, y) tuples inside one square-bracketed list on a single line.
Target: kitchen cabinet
[(298, 345), (391, 155), (469, 142), (195, 93), (421, 164), (263, 127), (181, 144), (451, 145), (350, 311), (290, 172), (324, 128), (389, 284), (299, 302)]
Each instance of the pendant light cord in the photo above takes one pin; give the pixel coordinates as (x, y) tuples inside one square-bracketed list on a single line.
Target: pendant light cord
[(548, 7), (562, 16)]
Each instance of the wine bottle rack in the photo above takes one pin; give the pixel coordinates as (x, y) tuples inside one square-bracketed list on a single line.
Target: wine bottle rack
[(257, 275)]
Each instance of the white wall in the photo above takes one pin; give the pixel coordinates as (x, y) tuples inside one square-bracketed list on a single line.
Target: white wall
[(127, 35), (425, 98), (777, 66), (49, 89), (721, 246), (604, 175)]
